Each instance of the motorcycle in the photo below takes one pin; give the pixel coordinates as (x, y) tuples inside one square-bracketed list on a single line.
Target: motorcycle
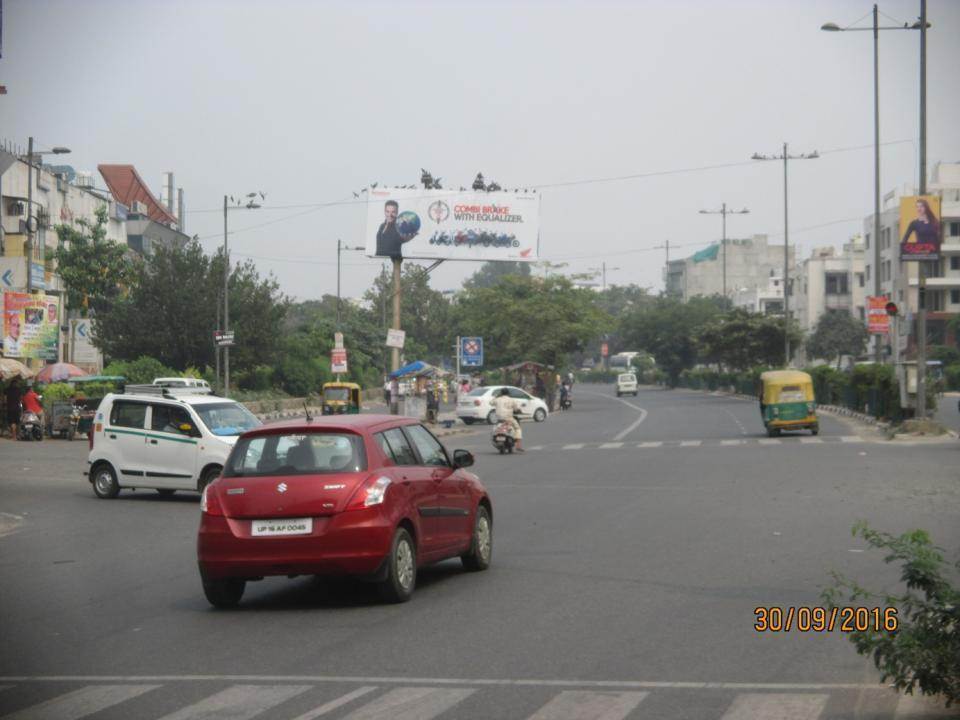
[(566, 402), (503, 438), (29, 427)]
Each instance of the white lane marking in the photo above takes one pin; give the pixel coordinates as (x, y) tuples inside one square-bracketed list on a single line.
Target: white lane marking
[(588, 705), (573, 446), (611, 445), (731, 443), (691, 443), (536, 447), (411, 703), (337, 703), (9, 523), (658, 443), (851, 438), (5, 687), (80, 703), (401, 680), (768, 441), (765, 706), (811, 441), (917, 707), (743, 430), (634, 425), (239, 702)]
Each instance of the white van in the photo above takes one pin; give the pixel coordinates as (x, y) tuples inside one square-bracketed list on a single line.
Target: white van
[(163, 439), (626, 383)]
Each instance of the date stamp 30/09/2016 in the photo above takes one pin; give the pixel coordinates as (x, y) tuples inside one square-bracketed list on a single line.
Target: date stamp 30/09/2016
[(820, 619)]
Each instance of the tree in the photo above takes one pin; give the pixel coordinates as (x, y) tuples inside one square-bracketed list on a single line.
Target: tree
[(490, 273), (740, 339), (837, 334), (95, 271)]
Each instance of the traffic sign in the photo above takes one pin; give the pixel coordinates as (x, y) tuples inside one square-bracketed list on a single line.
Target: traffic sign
[(471, 351), (338, 360), (223, 339), (396, 338)]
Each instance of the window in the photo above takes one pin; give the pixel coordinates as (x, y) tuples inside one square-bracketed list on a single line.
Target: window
[(860, 313), (867, 239), (885, 238), (955, 297), (297, 454), (226, 418), (128, 414), (868, 272), (430, 449), (169, 418), (955, 262), (837, 284), (518, 394), (955, 229), (400, 449), (860, 279)]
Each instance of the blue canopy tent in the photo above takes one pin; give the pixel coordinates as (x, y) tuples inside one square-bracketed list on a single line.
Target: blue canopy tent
[(418, 367)]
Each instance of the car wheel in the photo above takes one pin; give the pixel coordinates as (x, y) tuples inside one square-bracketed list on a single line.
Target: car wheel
[(105, 483), (401, 577), (467, 421), (224, 593), (165, 492), (815, 430), (208, 477), (491, 417), (540, 415), (481, 546), (773, 432)]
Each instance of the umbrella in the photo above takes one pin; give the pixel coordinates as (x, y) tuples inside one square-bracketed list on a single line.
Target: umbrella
[(10, 368), (59, 371)]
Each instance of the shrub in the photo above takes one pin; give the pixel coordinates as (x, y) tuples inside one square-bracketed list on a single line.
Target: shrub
[(952, 376), (140, 371), (924, 650)]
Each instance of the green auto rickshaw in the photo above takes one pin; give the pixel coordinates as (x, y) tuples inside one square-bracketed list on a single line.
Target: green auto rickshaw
[(787, 402), (341, 398)]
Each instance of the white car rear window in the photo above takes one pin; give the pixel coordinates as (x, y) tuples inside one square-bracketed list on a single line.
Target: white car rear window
[(628, 378)]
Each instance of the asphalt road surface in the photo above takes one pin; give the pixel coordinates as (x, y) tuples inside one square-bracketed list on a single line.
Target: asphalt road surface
[(633, 542)]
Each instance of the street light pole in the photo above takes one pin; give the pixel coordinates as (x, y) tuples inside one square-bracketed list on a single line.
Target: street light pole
[(922, 265), (226, 302), (723, 246), (786, 156), (29, 243)]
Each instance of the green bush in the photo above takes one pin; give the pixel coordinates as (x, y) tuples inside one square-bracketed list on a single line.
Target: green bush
[(951, 375), (924, 650), (55, 392), (259, 378), (140, 371)]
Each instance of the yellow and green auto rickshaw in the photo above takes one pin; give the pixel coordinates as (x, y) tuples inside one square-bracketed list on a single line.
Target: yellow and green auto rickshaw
[(787, 402), (341, 398)]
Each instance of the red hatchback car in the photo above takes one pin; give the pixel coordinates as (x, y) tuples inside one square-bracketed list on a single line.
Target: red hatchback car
[(370, 495)]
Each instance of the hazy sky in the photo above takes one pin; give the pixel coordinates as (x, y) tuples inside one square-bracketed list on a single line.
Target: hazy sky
[(311, 101)]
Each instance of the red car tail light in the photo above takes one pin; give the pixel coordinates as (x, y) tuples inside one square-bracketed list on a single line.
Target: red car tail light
[(209, 503), (372, 492)]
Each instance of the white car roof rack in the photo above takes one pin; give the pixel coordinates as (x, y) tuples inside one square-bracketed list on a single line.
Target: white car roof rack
[(161, 391)]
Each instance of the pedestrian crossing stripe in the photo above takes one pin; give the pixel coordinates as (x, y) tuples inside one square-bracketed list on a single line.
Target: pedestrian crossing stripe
[(426, 702), (611, 445)]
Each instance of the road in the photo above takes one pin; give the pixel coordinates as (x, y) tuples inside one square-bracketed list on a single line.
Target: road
[(633, 542)]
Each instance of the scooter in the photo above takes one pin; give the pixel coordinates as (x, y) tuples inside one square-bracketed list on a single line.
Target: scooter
[(29, 427), (503, 438), (566, 402)]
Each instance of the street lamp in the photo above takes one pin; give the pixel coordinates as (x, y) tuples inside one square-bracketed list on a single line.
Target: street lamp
[(238, 204), (723, 211), (786, 157), (31, 221), (921, 25)]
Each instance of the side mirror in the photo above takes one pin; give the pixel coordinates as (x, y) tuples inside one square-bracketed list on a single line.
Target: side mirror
[(462, 458), (186, 427)]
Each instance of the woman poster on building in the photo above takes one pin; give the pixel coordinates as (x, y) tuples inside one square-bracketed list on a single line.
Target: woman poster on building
[(920, 227)]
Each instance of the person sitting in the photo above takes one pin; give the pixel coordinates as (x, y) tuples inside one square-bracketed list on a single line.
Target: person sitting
[(31, 403), (505, 406)]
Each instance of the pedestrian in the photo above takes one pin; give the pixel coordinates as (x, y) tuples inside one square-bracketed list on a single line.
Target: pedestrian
[(13, 406), (433, 404), (540, 389)]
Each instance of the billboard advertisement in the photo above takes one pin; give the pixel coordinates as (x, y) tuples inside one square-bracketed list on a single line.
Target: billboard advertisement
[(452, 225), (878, 321), (31, 325), (471, 351), (920, 227)]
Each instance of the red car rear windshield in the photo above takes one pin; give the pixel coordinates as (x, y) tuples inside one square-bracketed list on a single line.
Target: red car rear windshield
[(297, 453)]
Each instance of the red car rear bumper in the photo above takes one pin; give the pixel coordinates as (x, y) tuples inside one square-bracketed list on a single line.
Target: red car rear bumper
[(350, 543)]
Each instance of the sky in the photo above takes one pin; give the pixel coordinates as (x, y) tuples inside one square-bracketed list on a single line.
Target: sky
[(624, 108)]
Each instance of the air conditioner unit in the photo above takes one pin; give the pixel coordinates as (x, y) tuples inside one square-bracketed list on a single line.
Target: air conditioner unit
[(138, 208), (84, 179)]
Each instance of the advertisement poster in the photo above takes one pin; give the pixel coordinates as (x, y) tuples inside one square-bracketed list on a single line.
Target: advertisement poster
[(878, 321), (920, 227), (31, 325), (338, 360), (452, 225), (471, 351)]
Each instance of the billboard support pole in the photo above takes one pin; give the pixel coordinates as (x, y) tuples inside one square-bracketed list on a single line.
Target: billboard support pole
[(458, 358), (921, 266), (395, 354)]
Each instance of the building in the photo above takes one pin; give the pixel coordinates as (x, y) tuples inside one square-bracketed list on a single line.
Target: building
[(750, 264), (829, 281), (899, 281), (150, 223), (768, 300)]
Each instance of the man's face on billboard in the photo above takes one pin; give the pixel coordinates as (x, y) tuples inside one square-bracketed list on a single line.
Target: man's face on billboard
[(13, 326), (390, 214)]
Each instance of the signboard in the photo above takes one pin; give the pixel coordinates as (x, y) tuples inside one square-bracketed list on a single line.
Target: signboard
[(338, 360), (604, 349), (878, 321), (452, 225), (13, 273), (920, 227), (338, 340), (471, 351), (396, 338), (31, 325), (83, 351), (223, 339), (38, 276)]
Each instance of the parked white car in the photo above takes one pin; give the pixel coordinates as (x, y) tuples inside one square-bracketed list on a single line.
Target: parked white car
[(164, 439), (477, 405), (626, 383)]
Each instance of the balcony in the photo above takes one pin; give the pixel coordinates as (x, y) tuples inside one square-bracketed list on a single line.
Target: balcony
[(939, 283)]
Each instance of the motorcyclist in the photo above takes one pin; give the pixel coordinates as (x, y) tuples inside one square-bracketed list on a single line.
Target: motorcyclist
[(31, 403), (564, 395), (504, 406)]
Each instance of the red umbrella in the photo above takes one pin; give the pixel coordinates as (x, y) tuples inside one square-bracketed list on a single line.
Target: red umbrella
[(59, 371)]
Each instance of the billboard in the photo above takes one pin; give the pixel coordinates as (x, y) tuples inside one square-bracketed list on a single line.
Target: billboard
[(452, 225), (471, 351), (878, 321), (920, 227), (31, 325)]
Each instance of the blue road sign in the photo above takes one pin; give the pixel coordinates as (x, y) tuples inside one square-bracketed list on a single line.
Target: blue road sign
[(471, 351), (7, 278)]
